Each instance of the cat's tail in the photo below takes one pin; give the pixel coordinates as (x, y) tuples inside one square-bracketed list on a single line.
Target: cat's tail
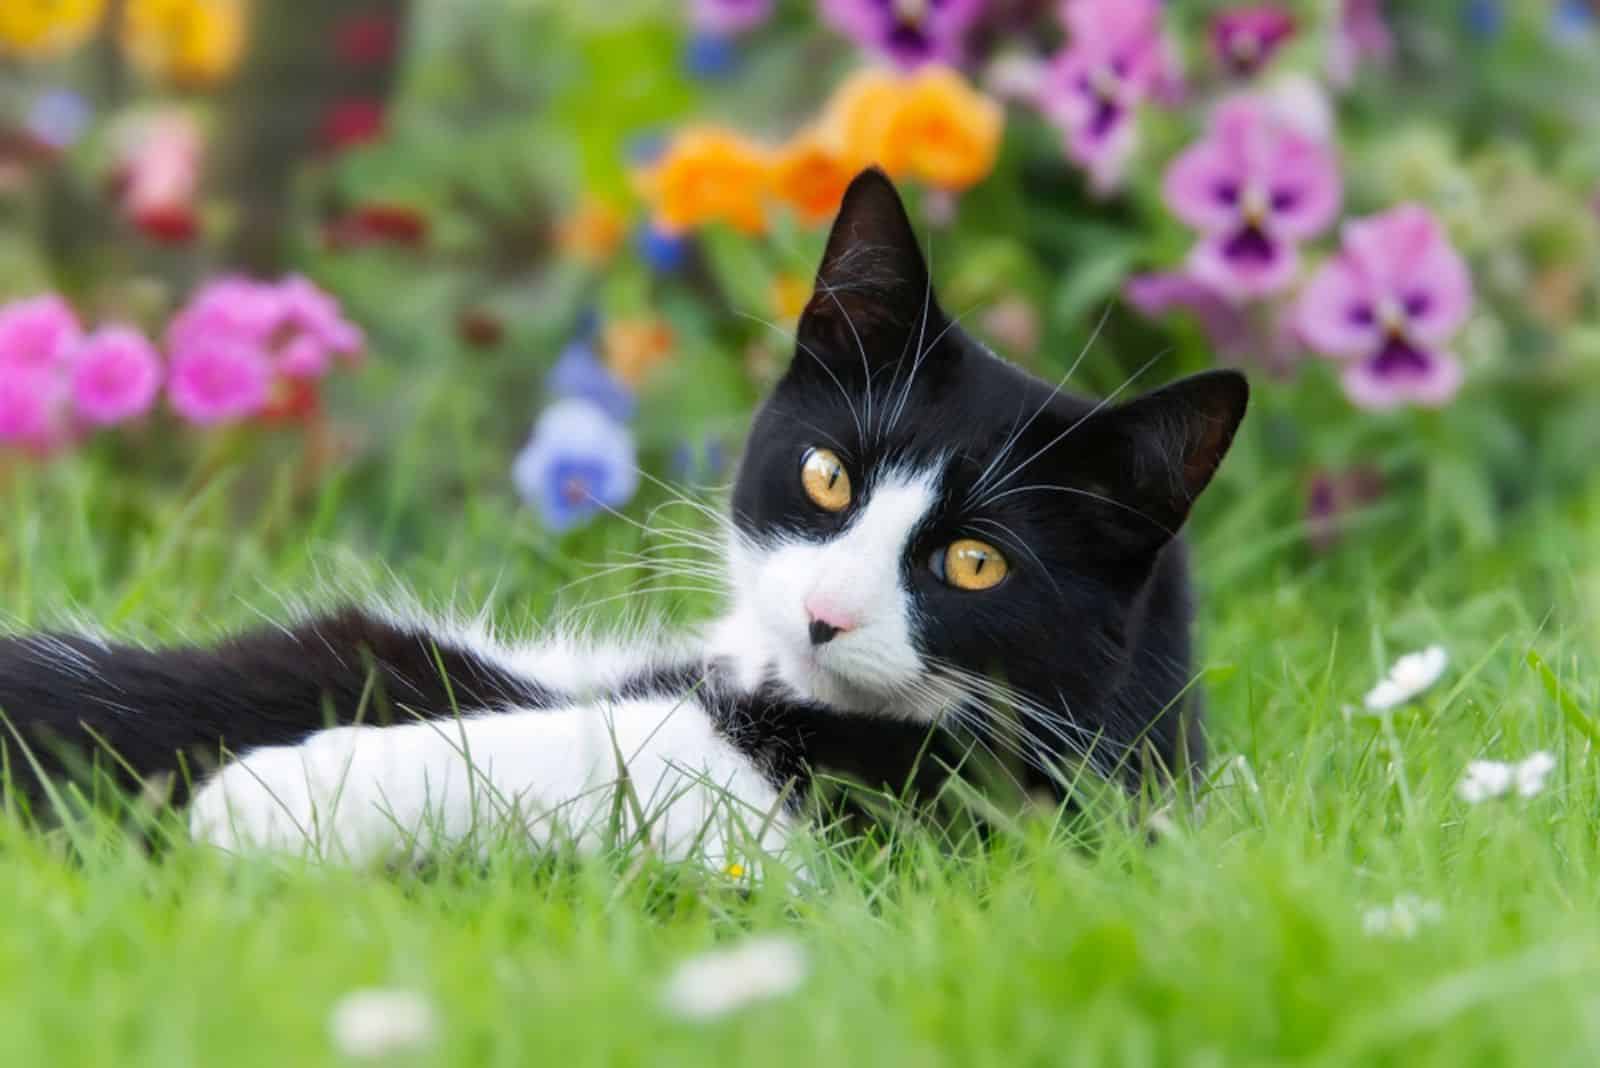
[(73, 707)]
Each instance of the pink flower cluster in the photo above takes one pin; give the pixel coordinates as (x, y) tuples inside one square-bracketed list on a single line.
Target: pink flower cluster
[(231, 351), (56, 380), (237, 339)]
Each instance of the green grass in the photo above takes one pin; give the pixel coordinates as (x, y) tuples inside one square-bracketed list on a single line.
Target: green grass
[(1235, 939)]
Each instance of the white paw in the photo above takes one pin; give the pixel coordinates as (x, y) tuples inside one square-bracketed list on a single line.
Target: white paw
[(280, 799)]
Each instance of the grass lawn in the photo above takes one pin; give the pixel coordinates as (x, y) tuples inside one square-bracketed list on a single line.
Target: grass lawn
[(1240, 937)]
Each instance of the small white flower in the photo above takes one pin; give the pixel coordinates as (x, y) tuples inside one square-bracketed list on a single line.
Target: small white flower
[(1486, 779), (1403, 919), (380, 1023), (722, 981), (1300, 102), (1408, 678)]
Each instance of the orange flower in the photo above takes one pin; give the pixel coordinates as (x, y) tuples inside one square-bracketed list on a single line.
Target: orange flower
[(810, 174), (789, 295), (709, 175), (635, 347), (593, 232), (943, 131), (858, 114)]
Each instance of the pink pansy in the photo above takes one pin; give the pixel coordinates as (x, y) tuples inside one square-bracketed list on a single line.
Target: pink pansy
[(907, 32), (1163, 292), (116, 375), (724, 18), (1246, 38), (38, 333), (1359, 34), (219, 381), (32, 407), (1253, 187), (1115, 59), (1386, 305)]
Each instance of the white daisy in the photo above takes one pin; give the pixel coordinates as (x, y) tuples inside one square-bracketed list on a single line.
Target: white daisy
[(1408, 678), (370, 1024), (722, 981), (1486, 779), (1403, 919)]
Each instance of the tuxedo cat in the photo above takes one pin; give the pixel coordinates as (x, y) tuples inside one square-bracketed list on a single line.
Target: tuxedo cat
[(930, 551)]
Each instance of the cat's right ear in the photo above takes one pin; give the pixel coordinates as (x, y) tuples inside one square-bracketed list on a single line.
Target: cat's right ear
[(873, 284)]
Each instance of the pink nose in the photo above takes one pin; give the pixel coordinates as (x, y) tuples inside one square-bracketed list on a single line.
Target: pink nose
[(827, 620)]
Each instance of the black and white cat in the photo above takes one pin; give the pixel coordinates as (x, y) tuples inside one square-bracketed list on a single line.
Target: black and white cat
[(926, 542)]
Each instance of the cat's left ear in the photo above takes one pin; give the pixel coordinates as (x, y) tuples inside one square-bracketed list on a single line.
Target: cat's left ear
[(873, 284), (1157, 453)]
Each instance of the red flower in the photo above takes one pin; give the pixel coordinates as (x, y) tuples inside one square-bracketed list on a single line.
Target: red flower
[(294, 400), (377, 224), (352, 122), (365, 40), (169, 224)]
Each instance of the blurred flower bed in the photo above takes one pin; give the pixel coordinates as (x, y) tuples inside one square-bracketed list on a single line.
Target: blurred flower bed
[(600, 225)]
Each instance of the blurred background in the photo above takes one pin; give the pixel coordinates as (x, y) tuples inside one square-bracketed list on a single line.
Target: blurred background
[(404, 275)]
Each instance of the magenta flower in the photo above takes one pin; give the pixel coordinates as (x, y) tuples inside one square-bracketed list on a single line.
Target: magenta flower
[(725, 18), (32, 407), (1253, 187), (115, 376), (1116, 58), (1386, 305), (39, 333), (907, 32), (219, 381), (1360, 34), (293, 326), (1246, 38)]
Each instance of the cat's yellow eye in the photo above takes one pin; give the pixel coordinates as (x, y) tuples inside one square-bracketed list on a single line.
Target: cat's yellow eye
[(970, 564), (827, 483)]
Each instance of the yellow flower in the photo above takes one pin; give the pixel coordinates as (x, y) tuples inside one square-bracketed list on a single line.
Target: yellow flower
[(44, 28), (709, 175), (190, 42), (858, 114), (943, 131), (810, 174), (635, 347), (735, 871), (594, 231), (789, 295)]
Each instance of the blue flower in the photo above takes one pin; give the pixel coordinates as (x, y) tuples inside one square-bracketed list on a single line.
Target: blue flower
[(579, 374), (58, 117), (645, 147), (578, 461), (663, 251), (1572, 18), (710, 56), (1485, 18)]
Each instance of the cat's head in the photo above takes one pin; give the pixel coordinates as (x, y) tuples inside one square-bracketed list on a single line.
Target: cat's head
[(915, 516)]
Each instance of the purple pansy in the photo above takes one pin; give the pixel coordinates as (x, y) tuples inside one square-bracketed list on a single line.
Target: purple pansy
[(578, 372), (1386, 305), (907, 32), (1332, 496), (1246, 38), (1161, 293), (1115, 59), (578, 461), (724, 18), (1253, 187)]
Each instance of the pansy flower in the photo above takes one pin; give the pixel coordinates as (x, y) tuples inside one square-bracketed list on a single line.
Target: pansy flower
[(1386, 305), (909, 33), (725, 18), (1254, 187), (1246, 38), (578, 461), (1115, 59)]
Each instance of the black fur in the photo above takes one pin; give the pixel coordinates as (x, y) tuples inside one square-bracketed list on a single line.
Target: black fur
[(76, 701), (1094, 618)]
